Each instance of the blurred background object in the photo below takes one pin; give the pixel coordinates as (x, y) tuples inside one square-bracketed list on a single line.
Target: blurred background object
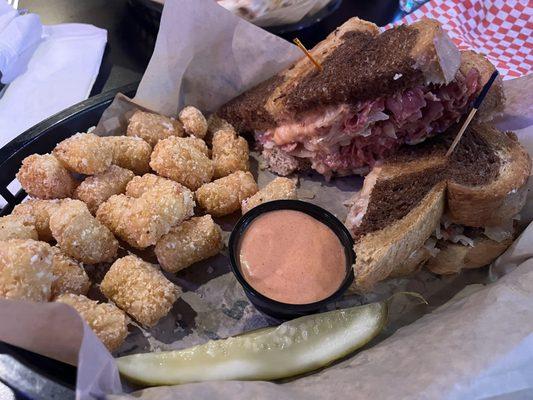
[(47, 68), (408, 6), (132, 27)]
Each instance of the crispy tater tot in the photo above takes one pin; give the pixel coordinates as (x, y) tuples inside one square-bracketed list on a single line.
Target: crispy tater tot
[(230, 153), (153, 127), (25, 270), (279, 189), (198, 143), (140, 289), (142, 221), (70, 275), (181, 160), (40, 210), (84, 153), (224, 196), (130, 152), (96, 189), (18, 227), (215, 123), (191, 241), (80, 235), (43, 177), (106, 320), (193, 122), (141, 184)]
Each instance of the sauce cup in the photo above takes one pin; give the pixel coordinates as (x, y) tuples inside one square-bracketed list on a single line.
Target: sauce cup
[(269, 306)]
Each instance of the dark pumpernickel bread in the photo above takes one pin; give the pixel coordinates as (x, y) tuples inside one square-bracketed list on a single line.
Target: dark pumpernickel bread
[(358, 64), (362, 68), (473, 163)]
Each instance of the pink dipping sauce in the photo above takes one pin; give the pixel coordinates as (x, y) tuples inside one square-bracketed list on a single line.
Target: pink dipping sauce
[(291, 257)]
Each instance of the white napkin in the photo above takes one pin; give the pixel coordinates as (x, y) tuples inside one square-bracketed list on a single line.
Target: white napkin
[(60, 73), (19, 37)]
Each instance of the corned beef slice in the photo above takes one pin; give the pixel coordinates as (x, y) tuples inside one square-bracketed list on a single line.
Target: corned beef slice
[(350, 138)]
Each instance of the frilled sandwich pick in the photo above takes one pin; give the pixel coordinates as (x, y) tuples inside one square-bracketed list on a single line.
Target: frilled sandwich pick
[(376, 92)]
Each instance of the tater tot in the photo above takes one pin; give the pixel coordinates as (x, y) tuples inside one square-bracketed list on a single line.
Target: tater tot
[(44, 177), (84, 153), (153, 127), (224, 196), (106, 320), (70, 275), (140, 289), (96, 189), (25, 270), (18, 227), (215, 123), (194, 240), (142, 221), (194, 122), (129, 152), (278, 189), (141, 184), (80, 235), (198, 143), (181, 160), (40, 210), (230, 153)]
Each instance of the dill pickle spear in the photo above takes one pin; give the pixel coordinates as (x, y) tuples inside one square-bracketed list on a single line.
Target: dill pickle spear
[(294, 347)]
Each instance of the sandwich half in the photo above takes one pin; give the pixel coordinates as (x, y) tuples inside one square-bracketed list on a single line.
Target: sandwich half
[(376, 92), (420, 208)]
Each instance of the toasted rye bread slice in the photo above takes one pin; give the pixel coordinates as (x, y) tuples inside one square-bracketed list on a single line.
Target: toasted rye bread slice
[(484, 184), (452, 257), (494, 101), (358, 64), (291, 77), (414, 263), (497, 201), (378, 253)]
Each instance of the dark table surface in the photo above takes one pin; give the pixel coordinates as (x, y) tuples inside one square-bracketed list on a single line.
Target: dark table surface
[(132, 31)]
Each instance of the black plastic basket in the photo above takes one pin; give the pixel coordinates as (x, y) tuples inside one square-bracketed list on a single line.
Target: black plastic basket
[(26, 369)]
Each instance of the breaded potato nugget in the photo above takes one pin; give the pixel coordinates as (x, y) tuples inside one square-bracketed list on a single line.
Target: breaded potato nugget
[(141, 184), (181, 160), (193, 122), (224, 196), (80, 235), (279, 189), (106, 320), (142, 221), (140, 289), (198, 143), (153, 127), (130, 152), (43, 177), (194, 240), (25, 270), (96, 189), (230, 153), (70, 275), (84, 153), (40, 210), (214, 124), (18, 227)]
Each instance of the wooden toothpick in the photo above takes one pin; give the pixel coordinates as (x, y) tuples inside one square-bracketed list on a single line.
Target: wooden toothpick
[(473, 112), (308, 54)]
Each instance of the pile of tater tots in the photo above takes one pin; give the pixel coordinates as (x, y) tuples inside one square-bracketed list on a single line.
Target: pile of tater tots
[(94, 198)]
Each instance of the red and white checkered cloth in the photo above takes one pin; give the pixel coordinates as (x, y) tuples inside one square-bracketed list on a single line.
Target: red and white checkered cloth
[(500, 29)]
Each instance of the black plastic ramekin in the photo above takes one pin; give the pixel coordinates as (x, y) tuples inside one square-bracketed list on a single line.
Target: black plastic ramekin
[(272, 307)]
